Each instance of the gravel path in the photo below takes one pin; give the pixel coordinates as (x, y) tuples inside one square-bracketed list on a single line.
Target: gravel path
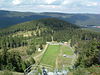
[(36, 57)]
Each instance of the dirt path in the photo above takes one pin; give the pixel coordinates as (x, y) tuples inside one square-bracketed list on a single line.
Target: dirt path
[(56, 62), (70, 48), (59, 60), (36, 57)]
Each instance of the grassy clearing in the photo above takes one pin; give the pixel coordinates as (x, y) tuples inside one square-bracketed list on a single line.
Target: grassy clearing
[(65, 64), (65, 61), (54, 56), (67, 50), (50, 55), (24, 33), (10, 73)]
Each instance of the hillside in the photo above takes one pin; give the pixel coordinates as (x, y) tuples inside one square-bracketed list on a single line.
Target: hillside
[(9, 18), (48, 24), (21, 43)]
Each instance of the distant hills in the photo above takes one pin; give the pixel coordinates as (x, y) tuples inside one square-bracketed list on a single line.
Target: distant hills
[(9, 18)]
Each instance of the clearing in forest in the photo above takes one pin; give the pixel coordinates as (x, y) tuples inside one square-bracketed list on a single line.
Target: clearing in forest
[(57, 56), (50, 55)]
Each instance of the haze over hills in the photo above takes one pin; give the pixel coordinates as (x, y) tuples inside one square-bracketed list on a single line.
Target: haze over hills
[(77, 18), (9, 18)]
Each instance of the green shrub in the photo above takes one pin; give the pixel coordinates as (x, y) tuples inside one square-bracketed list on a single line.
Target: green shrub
[(94, 70), (6, 72)]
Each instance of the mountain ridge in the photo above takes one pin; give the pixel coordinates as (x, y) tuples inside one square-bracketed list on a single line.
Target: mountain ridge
[(9, 18), (51, 23)]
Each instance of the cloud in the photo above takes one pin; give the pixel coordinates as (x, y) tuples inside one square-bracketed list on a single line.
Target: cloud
[(65, 2), (16, 2), (92, 4), (44, 2), (49, 1), (51, 5), (1, 1)]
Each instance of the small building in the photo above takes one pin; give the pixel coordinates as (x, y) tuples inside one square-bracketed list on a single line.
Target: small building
[(65, 43), (39, 50), (64, 55)]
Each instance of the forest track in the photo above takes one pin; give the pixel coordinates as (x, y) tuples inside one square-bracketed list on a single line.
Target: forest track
[(36, 57)]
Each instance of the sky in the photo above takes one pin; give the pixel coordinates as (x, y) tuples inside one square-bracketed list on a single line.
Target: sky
[(64, 6)]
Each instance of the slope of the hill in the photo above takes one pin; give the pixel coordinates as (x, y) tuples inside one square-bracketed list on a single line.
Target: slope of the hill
[(48, 24), (20, 41), (34, 34)]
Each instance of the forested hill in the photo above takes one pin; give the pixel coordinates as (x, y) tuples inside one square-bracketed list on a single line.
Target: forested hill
[(35, 33), (25, 37), (48, 24)]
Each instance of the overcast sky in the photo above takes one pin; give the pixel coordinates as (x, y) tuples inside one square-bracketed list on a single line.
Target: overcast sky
[(65, 6)]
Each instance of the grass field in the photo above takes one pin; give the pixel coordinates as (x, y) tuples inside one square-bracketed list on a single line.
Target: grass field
[(65, 61), (67, 50), (50, 55), (54, 56)]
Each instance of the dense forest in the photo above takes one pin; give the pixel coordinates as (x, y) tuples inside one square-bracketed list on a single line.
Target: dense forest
[(86, 43)]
